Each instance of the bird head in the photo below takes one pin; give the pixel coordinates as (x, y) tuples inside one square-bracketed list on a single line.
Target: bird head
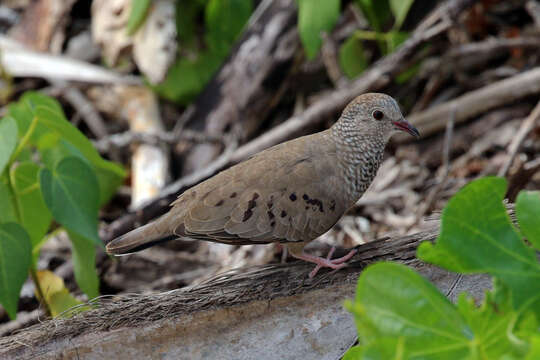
[(374, 115)]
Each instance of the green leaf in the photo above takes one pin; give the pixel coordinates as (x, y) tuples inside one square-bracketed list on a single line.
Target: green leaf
[(71, 192), (33, 213), (7, 208), (393, 301), (8, 140), (489, 323), (400, 9), (352, 58), (478, 237), (24, 113), (139, 9), (225, 20), (50, 127), (187, 78), (84, 265), (110, 175), (534, 351), (528, 214), (15, 259), (394, 39), (314, 17), (377, 12)]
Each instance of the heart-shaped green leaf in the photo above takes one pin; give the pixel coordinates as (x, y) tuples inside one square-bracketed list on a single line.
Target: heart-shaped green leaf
[(71, 192), (477, 236), (393, 301), (8, 140), (34, 215), (110, 175), (15, 259)]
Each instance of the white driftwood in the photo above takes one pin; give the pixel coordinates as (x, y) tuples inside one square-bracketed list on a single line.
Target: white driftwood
[(21, 62)]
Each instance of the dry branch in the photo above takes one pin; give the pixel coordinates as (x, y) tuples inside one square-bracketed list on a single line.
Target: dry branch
[(250, 310), (477, 102)]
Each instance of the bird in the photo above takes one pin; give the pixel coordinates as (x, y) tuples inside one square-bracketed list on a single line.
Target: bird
[(288, 194)]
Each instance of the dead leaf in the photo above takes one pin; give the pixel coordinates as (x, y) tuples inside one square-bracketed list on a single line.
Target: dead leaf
[(55, 292)]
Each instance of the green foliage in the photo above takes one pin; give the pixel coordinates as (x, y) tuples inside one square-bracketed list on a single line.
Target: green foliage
[(400, 9), (15, 250), (70, 191), (52, 173), (477, 236), (224, 21), (378, 14), (352, 58), (139, 9), (401, 315), (315, 17)]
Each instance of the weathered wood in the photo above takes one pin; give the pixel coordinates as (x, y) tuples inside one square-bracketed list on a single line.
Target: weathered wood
[(270, 312)]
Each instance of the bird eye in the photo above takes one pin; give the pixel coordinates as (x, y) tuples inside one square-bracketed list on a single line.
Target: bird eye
[(378, 115)]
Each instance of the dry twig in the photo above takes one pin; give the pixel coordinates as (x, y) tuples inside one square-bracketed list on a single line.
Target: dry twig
[(526, 126)]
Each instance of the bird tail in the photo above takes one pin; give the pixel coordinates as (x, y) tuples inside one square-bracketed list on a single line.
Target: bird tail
[(141, 238)]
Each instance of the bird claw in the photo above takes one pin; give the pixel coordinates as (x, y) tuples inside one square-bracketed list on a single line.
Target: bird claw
[(335, 264)]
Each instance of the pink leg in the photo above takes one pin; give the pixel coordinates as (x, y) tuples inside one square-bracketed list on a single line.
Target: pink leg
[(284, 252), (322, 262)]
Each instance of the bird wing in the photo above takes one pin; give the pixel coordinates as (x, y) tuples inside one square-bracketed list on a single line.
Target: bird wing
[(286, 195)]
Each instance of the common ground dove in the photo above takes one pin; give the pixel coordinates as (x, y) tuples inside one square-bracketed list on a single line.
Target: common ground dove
[(290, 193)]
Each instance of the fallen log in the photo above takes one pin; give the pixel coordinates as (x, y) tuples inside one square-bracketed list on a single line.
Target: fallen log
[(269, 312)]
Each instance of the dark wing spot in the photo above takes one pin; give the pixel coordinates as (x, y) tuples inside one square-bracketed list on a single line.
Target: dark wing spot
[(220, 202), (233, 195), (332, 205), (292, 197), (247, 215), (273, 223), (316, 202), (251, 204), (283, 213), (270, 215)]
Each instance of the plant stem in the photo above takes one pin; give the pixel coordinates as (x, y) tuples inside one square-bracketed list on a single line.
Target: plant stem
[(25, 139), (39, 291)]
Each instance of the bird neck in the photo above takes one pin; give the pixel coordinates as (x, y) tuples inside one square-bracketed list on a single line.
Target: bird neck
[(359, 156)]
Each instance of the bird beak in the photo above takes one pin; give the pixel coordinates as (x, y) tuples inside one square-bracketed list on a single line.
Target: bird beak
[(404, 125)]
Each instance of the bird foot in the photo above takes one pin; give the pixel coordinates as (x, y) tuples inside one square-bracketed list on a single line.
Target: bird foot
[(325, 262)]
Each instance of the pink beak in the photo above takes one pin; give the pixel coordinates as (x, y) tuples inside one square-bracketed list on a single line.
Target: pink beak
[(404, 125)]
